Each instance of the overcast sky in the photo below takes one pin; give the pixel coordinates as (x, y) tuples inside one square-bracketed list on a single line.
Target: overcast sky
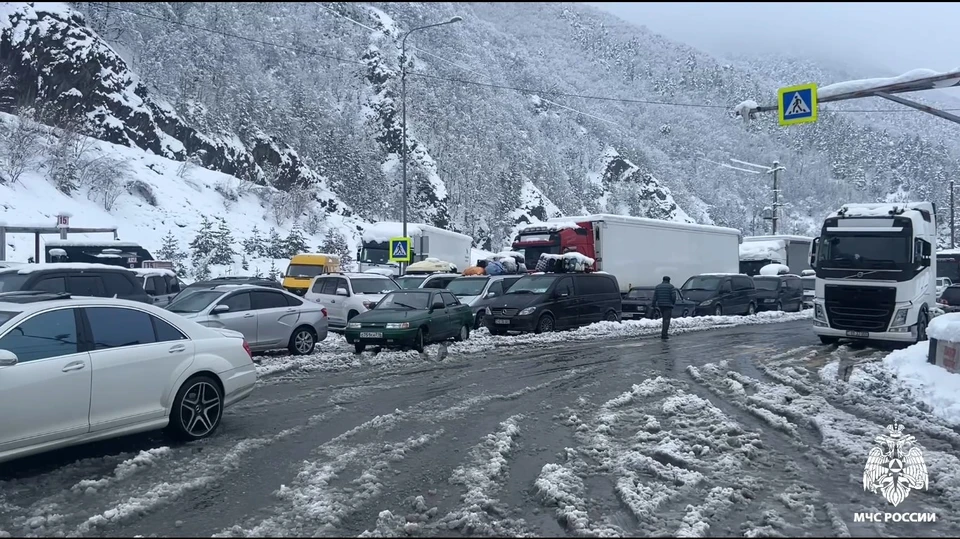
[(897, 36)]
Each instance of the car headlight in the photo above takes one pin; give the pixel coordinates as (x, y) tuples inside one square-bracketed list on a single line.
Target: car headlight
[(353, 325), (707, 303), (818, 312), (901, 317), (528, 310), (398, 325), (486, 311)]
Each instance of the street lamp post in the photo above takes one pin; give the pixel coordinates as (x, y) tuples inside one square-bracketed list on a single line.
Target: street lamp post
[(403, 101)]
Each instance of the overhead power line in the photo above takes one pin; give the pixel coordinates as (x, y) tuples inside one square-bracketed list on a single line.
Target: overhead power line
[(458, 80)]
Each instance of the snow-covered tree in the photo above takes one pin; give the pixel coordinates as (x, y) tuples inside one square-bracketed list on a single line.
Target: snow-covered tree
[(335, 244), (223, 251), (170, 250), (276, 246), (296, 243), (254, 245), (202, 247)]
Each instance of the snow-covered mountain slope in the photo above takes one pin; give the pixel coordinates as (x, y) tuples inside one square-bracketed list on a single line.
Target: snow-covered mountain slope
[(151, 197), (538, 91)]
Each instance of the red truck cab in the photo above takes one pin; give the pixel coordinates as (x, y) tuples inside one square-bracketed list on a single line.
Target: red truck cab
[(555, 239)]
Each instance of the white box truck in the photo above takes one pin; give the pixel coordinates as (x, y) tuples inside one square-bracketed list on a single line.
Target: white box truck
[(876, 272), (758, 251), (636, 250), (427, 242)]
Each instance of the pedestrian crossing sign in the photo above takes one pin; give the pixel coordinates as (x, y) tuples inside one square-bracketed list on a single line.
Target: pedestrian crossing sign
[(400, 250), (797, 104)]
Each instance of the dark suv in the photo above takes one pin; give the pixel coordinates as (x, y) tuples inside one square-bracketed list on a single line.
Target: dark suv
[(76, 279), (545, 302), (721, 293), (778, 292), (950, 299)]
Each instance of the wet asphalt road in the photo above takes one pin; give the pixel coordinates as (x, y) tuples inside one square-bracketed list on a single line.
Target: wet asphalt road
[(722, 432)]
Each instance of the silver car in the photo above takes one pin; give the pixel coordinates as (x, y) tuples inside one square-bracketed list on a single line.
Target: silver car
[(269, 319), (476, 290)]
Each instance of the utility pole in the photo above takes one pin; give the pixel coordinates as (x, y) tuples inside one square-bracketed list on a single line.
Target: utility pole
[(953, 230), (403, 114), (776, 196)]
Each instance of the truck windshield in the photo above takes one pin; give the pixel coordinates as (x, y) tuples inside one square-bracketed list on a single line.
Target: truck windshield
[(701, 283), (771, 283), (303, 270), (531, 254), (375, 255), (877, 251)]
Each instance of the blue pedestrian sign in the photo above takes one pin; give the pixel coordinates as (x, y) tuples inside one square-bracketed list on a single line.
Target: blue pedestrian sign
[(400, 250), (797, 104)]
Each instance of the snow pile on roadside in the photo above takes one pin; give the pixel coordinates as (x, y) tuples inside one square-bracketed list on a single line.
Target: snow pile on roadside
[(945, 327), (334, 354), (925, 382)]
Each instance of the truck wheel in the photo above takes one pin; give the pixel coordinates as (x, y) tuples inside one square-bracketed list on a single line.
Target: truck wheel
[(685, 313), (478, 323), (829, 340), (612, 316), (922, 325), (751, 309), (420, 341), (464, 333), (545, 324), (718, 311)]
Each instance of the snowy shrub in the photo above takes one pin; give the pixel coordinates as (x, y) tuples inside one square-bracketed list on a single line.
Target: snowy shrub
[(228, 192), (68, 157), (19, 148), (105, 178)]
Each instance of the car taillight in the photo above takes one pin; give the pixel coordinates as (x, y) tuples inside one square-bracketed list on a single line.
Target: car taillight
[(324, 311), (246, 348)]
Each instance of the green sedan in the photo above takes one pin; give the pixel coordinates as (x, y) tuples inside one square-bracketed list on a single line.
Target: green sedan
[(411, 319)]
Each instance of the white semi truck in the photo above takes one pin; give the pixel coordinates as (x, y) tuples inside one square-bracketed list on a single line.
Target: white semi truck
[(758, 251), (635, 250), (876, 272), (427, 242)]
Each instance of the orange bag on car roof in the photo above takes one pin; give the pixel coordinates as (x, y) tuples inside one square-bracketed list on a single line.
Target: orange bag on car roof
[(473, 270)]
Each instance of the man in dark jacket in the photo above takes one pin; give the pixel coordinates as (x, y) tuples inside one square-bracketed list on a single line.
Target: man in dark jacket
[(664, 295)]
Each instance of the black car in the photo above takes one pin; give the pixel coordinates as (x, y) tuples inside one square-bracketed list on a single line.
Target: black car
[(218, 281), (721, 294), (638, 303), (545, 302), (778, 292), (76, 279), (950, 299)]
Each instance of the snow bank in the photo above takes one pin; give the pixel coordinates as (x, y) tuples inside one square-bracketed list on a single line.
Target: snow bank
[(334, 354), (384, 231), (763, 250), (774, 270), (945, 327), (928, 383), (860, 85)]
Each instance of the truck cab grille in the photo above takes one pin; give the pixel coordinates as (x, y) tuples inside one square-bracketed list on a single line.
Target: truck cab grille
[(860, 308)]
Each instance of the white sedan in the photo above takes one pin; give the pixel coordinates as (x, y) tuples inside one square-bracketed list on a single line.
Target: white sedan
[(76, 370)]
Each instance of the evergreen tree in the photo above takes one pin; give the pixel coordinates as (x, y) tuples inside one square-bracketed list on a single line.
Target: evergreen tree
[(296, 243), (335, 244), (276, 247), (274, 272), (170, 250), (257, 273), (201, 270), (253, 246), (223, 252), (202, 247), (244, 264)]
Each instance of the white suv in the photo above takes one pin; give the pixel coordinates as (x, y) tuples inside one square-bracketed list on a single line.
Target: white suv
[(346, 295)]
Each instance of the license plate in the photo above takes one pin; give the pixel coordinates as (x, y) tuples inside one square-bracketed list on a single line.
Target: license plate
[(642, 309), (629, 315), (371, 335), (857, 334), (503, 321)]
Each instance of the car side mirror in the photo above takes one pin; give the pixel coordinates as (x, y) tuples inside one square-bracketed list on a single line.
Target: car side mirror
[(342, 292), (491, 294), (559, 294), (221, 309), (437, 305), (8, 358)]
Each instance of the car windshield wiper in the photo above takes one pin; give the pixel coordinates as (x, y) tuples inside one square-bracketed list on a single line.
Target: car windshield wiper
[(696, 289), (397, 303), (520, 292)]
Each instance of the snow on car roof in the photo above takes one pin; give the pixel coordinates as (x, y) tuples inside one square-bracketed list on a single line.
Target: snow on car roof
[(552, 226), (154, 271), (30, 268), (90, 243)]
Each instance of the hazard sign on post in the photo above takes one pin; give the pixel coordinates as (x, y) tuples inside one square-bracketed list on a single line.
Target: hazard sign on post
[(400, 250), (797, 104)]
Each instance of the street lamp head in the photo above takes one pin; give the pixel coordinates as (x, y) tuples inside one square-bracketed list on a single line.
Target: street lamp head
[(456, 18)]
